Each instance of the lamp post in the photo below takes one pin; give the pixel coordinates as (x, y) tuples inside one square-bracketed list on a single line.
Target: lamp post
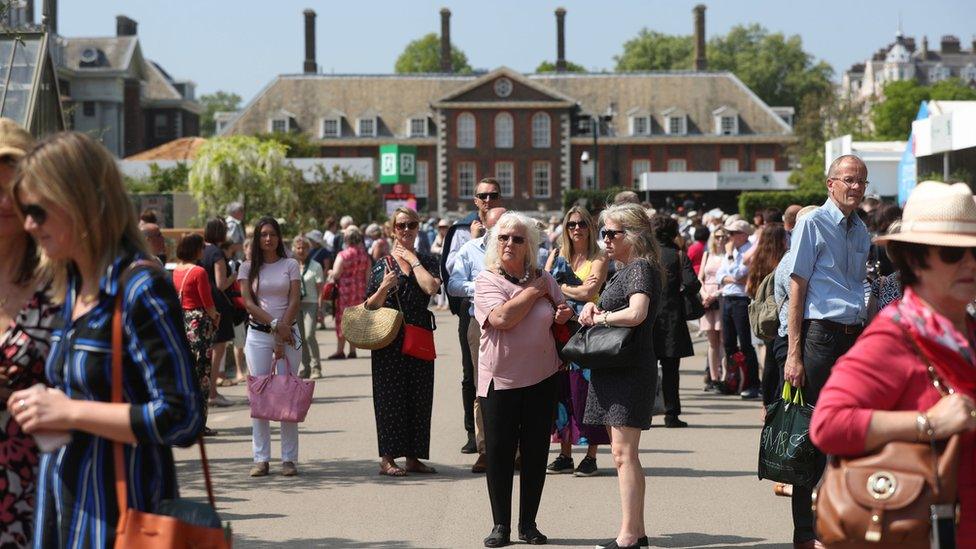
[(585, 156)]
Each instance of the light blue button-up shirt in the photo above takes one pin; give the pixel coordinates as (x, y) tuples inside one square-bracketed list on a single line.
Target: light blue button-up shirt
[(830, 253), (781, 290), (468, 264), (736, 270)]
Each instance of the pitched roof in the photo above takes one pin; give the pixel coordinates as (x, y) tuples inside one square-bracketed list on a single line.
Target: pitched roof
[(159, 84), (184, 148), (113, 53)]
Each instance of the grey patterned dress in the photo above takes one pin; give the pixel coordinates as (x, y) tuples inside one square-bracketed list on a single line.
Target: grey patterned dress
[(624, 397)]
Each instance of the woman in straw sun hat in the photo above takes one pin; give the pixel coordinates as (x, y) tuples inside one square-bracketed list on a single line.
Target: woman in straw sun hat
[(860, 409)]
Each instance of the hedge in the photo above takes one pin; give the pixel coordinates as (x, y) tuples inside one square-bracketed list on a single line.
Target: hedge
[(750, 201), (595, 201)]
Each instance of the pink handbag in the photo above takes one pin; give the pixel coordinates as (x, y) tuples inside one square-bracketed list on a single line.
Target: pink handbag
[(280, 397)]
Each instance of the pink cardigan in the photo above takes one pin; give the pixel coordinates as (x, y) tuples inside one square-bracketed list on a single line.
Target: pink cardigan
[(882, 372)]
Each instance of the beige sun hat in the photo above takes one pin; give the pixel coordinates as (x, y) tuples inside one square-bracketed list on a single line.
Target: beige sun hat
[(15, 141), (937, 214), (738, 226)]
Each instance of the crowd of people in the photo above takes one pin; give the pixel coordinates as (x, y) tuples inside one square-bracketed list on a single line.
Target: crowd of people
[(855, 283)]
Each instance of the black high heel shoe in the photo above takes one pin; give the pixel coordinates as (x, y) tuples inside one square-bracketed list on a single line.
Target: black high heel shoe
[(531, 535), (641, 542), (500, 536)]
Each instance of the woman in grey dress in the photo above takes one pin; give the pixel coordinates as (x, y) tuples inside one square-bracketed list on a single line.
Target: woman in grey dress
[(622, 398)]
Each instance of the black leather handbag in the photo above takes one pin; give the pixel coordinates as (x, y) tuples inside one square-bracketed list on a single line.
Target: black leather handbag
[(602, 347)]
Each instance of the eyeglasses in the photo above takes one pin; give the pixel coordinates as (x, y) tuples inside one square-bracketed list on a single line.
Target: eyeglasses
[(504, 238), (411, 225), (953, 254), (610, 234), (488, 196), (851, 181), (571, 225), (35, 212)]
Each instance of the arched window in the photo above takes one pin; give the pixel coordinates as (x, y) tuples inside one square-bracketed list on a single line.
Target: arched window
[(465, 131), (541, 131), (504, 131)]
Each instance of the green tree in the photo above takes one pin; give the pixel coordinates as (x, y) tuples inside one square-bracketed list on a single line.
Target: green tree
[(297, 144), (893, 115), (160, 180), (424, 55), (773, 66), (213, 103), (336, 191), (549, 66), (246, 169), (653, 51)]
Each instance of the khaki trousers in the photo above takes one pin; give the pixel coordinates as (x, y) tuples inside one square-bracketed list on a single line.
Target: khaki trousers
[(474, 343)]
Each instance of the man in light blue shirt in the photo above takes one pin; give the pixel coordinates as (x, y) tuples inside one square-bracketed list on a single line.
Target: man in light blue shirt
[(827, 267), (468, 264), (736, 332)]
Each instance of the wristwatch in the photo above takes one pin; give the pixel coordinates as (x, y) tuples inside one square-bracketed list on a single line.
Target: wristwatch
[(415, 264), (274, 324)]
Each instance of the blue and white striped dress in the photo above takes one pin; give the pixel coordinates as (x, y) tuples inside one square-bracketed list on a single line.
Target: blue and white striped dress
[(76, 493)]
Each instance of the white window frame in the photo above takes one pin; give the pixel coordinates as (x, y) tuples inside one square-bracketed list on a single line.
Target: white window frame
[(505, 174), (541, 130), (536, 181), (422, 122), (462, 191), (677, 165), (504, 136), (639, 166), (728, 165), (637, 121), (420, 188), (359, 126), (466, 133), (338, 127), (765, 165), (682, 121), (727, 124), (282, 119), (585, 125)]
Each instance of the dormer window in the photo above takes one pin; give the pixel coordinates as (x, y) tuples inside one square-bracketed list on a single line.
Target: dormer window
[(640, 125), (726, 120), (331, 127), (279, 124), (366, 127), (675, 121), (417, 127)]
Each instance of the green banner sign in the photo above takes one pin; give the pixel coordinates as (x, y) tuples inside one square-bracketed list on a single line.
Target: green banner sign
[(398, 164)]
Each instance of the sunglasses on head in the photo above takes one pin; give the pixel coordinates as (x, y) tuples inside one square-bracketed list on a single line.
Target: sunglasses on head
[(35, 212), (610, 234), (411, 225), (570, 225), (504, 238), (952, 254), (488, 196)]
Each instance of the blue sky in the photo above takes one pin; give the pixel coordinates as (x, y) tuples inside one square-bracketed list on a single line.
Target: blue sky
[(241, 45)]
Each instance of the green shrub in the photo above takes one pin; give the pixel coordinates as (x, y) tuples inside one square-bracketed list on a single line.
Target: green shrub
[(750, 201)]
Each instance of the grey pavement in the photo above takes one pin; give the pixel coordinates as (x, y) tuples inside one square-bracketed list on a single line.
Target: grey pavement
[(702, 489)]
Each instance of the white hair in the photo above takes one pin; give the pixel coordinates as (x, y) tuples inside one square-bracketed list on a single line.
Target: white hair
[(510, 220), (345, 221)]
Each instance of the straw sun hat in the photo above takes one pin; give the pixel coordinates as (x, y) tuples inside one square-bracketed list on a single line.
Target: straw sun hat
[(937, 214)]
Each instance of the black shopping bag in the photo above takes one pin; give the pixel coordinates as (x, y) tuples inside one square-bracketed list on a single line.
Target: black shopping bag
[(786, 453)]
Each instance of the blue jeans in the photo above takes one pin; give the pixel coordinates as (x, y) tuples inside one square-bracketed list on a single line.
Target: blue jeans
[(737, 335)]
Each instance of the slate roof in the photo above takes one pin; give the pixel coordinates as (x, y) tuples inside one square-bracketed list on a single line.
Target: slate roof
[(115, 53)]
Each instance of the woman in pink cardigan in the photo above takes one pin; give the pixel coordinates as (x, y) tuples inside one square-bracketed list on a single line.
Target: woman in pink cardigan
[(880, 391)]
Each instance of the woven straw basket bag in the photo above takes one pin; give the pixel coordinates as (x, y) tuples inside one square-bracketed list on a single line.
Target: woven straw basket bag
[(371, 329)]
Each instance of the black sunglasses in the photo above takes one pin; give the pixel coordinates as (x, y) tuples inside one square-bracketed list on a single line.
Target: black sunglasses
[(570, 225), (408, 225), (488, 196), (35, 212), (953, 254), (515, 238), (610, 233)]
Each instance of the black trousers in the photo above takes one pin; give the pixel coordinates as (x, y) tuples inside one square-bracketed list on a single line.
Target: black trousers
[(737, 335), (669, 386), (518, 418), (468, 391), (773, 364), (821, 349)]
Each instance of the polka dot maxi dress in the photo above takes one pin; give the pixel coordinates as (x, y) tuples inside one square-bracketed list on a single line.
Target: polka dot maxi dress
[(403, 386)]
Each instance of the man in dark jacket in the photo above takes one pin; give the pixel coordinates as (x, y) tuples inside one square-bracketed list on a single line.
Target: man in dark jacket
[(487, 194), (672, 342)]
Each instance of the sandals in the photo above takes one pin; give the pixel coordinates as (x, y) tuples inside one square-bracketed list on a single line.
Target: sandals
[(226, 382), (421, 469), (392, 470), (336, 356)]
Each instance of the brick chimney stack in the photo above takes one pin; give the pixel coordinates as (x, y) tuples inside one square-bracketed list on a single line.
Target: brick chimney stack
[(446, 65), (310, 66), (560, 40), (701, 62), (49, 15), (125, 26)]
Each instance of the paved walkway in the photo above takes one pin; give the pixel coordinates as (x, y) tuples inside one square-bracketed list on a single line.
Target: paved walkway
[(702, 489)]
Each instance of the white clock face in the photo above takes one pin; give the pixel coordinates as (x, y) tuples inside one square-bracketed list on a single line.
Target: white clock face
[(503, 87)]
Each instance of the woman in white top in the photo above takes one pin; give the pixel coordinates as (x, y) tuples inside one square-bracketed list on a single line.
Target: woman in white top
[(270, 285)]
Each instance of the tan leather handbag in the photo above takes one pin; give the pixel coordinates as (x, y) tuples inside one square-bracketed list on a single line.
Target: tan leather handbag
[(156, 531), (885, 498)]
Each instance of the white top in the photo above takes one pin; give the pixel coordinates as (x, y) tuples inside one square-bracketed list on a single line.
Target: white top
[(273, 283)]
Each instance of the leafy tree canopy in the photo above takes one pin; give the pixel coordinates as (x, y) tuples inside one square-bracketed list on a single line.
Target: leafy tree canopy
[(297, 144), (160, 180), (655, 51), (424, 55), (548, 66), (213, 103), (893, 116)]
